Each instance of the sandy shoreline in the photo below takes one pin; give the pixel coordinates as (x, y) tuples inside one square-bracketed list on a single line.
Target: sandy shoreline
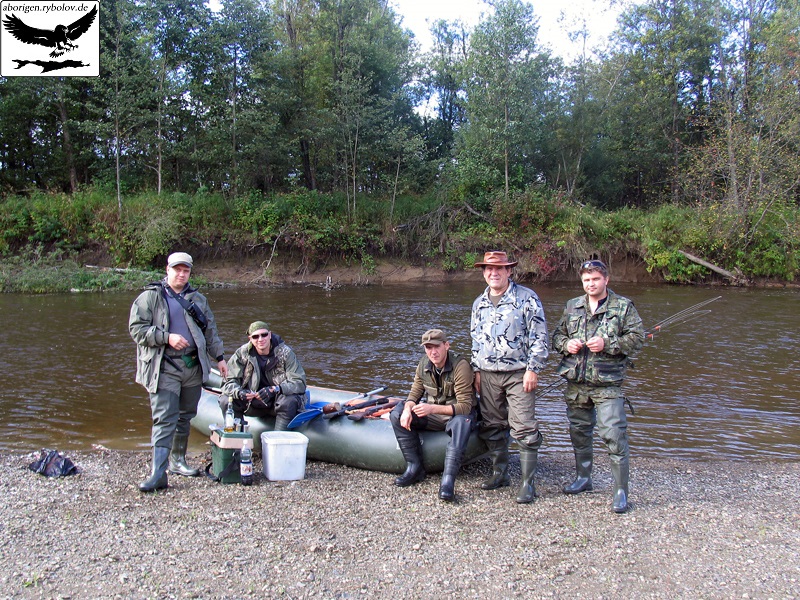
[(697, 530)]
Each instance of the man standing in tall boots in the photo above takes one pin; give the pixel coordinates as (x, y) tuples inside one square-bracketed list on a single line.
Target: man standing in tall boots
[(509, 349), (176, 335), (441, 398), (596, 336)]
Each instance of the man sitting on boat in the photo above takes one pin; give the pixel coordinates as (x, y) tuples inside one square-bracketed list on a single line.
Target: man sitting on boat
[(264, 378), (446, 378)]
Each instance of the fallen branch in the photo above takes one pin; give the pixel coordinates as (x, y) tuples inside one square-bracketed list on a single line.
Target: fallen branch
[(738, 279)]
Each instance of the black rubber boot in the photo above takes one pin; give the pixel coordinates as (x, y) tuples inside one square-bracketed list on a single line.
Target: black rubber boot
[(621, 471), (583, 470), (528, 459), (177, 457), (412, 451), (498, 450), (452, 463), (158, 476)]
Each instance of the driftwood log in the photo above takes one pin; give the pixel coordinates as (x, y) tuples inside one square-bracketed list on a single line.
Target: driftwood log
[(736, 278)]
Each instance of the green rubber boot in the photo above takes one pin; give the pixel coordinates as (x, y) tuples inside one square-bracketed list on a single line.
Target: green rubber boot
[(498, 450), (583, 470), (528, 459), (158, 476), (177, 457), (621, 471), (412, 451)]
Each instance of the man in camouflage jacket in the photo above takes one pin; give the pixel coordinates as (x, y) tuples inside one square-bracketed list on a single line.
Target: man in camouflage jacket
[(265, 378), (596, 336), (509, 349)]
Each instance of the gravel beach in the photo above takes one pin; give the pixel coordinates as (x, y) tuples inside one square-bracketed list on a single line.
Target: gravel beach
[(696, 530)]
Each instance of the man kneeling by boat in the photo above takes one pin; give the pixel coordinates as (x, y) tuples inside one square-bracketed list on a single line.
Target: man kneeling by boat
[(264, 378), (446, 378)]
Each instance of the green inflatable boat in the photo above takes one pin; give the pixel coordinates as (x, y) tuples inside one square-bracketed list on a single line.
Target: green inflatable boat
[(367, 443)]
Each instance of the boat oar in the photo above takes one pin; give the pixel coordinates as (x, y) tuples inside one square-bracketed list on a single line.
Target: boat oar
[(318, 408), (381, 406), (314, 409)]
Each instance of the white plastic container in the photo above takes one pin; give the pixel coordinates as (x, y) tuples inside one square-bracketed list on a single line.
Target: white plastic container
[(283, 455)]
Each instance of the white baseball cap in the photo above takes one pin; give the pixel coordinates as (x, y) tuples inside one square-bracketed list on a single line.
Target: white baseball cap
[(179, 258)]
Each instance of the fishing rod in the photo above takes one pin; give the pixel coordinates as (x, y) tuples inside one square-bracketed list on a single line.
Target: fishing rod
[(681, 317)]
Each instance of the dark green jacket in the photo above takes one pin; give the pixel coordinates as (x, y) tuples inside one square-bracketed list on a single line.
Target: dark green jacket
[(243, 371), (148, 324), (455, 385), (617, 322)]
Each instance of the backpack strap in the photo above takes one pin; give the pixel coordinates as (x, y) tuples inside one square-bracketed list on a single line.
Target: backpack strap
[(227, 470)]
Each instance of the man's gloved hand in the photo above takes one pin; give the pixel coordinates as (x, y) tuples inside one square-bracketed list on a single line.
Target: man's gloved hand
[(267, 394), (239, 400)]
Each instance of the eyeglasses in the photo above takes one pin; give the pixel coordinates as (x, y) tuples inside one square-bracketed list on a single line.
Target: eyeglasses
[(593, 264), (258, 336)]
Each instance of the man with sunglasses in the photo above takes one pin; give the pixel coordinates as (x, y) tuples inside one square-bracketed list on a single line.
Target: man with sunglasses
[(265, 378), (176, 334), (509, 349), (596, 336)]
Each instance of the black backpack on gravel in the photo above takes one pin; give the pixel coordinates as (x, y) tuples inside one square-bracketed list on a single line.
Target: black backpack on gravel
[(52, 463)]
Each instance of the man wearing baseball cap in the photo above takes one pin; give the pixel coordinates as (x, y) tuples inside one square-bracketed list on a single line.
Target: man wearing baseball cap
[(176, 337), (265, 379), (442, 397), (509, 349)]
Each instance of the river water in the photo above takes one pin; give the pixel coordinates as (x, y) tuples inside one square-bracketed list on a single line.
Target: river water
[(724, 386)]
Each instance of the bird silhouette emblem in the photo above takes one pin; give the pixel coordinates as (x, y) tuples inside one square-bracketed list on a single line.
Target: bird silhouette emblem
[(60, 38)]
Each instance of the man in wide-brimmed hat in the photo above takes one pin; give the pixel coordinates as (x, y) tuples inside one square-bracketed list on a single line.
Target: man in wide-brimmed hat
[(509, 349), (596, 336)]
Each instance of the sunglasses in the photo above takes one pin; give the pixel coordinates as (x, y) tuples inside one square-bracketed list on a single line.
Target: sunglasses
[(593, 264), (258, 336)]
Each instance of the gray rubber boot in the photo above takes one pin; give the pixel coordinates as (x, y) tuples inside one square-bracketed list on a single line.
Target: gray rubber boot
[(282, 423), (158, 476), (452, 463), (177, 457), (412, 451), (528, 459), (498, 450), (621, 472), (583, 470)]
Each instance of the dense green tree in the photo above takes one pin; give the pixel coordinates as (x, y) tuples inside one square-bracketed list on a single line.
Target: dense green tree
[(749, 167), (507, 95), (174, 27), (444, 88), (120, 103), (662, 100)]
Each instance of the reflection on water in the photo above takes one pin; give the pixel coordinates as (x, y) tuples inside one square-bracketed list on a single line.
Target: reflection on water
[(722, 386)]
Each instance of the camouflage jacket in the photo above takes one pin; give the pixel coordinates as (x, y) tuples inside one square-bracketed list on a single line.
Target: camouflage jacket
[(617, 322), (454, 387), (511, 336), (243, 371), (148, 325)]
